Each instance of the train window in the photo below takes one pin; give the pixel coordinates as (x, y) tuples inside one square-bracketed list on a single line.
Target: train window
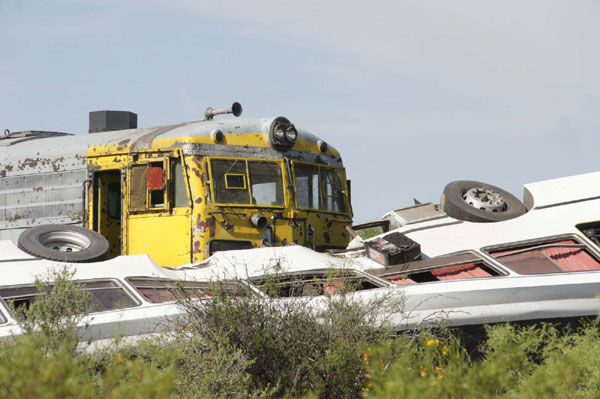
[(228, 245), (164, 290), (180, 192), (315, 283), (239, 181), (104, 295), (460, 266), (560, 256), (266, 183), (319, 187)]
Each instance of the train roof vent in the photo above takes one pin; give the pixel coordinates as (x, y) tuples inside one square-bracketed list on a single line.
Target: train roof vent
[(105, 121)]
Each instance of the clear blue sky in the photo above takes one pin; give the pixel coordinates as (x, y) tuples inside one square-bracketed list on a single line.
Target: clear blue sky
[(414, 94)]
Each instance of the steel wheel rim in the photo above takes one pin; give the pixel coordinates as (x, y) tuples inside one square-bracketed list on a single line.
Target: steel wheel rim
[(65, 241), (485, 199)]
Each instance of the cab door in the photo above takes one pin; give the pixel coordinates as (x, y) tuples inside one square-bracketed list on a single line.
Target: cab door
[(107, 208), (158, 215)]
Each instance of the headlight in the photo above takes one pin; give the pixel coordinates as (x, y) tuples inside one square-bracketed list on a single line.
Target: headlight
[(282, 133)]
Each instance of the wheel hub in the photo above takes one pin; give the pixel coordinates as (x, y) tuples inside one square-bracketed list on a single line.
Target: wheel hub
[(485, 199), (65, 241)]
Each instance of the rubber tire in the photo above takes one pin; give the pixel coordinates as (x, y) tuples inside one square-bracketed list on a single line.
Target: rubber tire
[(453, 205), (30, 242)]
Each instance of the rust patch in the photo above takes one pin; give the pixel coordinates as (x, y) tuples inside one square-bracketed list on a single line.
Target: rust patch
[(29, 162), (284, 242), (40, 188), (198, 200), (8, 168), (327, 238), (208, 225), (196, 172), (3, 173), (196, 247), (196, 167)]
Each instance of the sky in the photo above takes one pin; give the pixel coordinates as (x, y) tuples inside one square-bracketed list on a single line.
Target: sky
[(414, 94)]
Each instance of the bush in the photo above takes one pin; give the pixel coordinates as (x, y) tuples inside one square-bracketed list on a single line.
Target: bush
[(44, 362), (516, 362), (61, 304), (281, 348)]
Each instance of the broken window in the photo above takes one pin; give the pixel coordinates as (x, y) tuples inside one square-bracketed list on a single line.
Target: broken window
[(453, 267), (319, 187), (163, 290), (239, 181), (104, 295), (591, 231), (156, 184), (315, 283), (147, 186), (151, 183), (228, 245), (560, 256)]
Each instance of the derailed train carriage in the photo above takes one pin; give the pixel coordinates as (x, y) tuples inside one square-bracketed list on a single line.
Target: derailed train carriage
[(178, 193)]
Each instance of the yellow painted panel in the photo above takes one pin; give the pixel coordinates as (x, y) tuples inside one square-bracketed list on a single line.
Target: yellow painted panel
[(167, 239)]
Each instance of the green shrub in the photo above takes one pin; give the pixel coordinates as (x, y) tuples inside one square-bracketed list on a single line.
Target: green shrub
[(61, 304), (541, 361), (286, 347)]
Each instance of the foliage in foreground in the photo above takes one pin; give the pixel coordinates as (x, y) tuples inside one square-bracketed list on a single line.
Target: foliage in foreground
[(245, 347), (529, 362)]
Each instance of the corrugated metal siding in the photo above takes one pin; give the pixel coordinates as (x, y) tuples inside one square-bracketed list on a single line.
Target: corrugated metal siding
[(33, 199)]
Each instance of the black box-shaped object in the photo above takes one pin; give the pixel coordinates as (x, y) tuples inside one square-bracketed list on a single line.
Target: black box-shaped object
[(393, 249)]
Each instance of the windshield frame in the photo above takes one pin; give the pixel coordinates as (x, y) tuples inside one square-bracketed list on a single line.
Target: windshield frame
[(343, 187), (248, 182)]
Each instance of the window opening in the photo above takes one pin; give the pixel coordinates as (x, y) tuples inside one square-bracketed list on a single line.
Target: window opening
[(220, 168), (266, 183), (163, 290), (114, 200), (104, 295), (591, 231), (180, 192), (553, 257), (235, 181), (156, 186), (314, 283), (443, 273), (228, 245), (460, 266), (333, 198), (319, 187), (307, 186)]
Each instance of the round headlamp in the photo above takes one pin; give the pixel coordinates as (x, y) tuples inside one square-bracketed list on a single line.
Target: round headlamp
[(283, 133)]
